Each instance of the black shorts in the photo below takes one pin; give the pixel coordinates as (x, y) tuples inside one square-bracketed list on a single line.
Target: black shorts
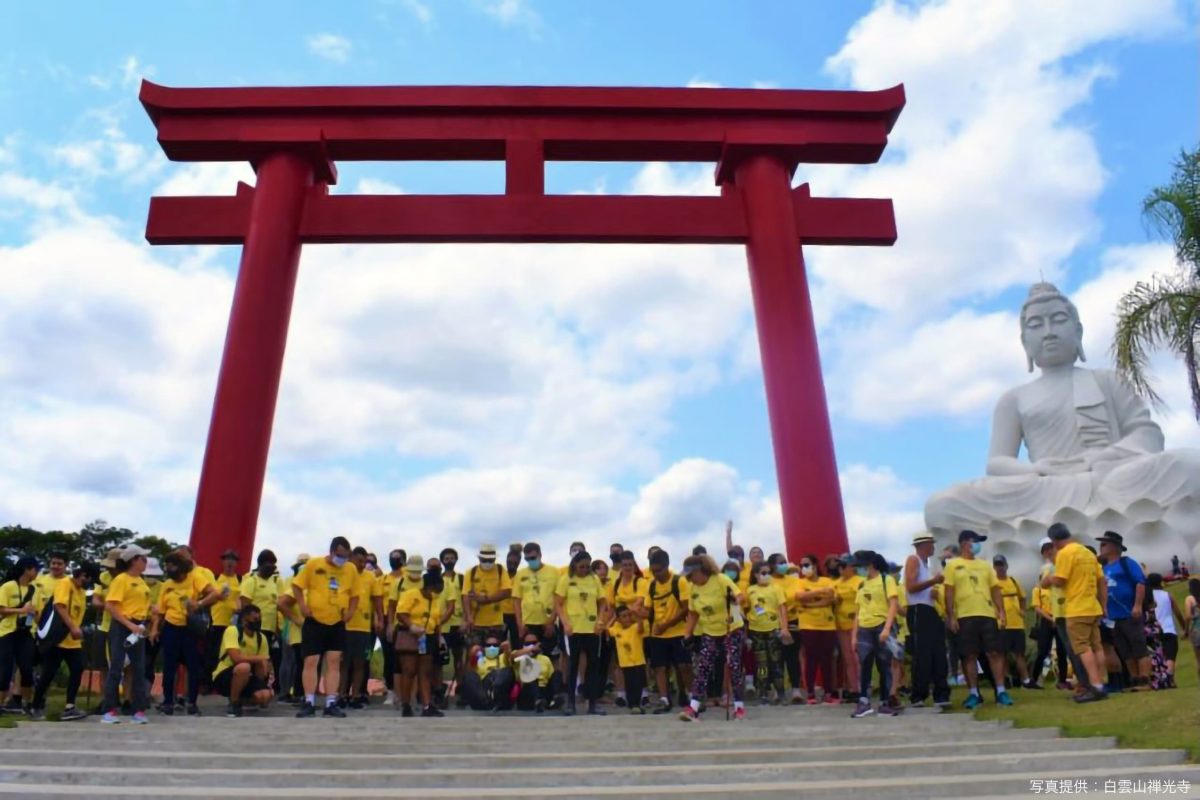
[(667, 652), (1129, 639), (1170, 646), (318, 639), (222, 683), (978, 635), (454, 640), (359, 644), (1013, 641)]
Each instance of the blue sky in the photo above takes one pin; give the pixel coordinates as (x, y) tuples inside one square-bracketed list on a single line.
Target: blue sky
[(462, 393)]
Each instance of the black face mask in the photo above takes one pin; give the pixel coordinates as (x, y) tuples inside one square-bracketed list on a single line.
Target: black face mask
[(255, 626), (266, 570), (448, 564), (173, 573), (396, 563)]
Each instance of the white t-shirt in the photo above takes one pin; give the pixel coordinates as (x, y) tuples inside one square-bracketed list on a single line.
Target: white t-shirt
[(1162, 610)]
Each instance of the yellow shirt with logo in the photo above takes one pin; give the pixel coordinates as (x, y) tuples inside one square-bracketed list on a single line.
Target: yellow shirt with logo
[(845, 606), (263, 593), (788, 585), (422, 611), (453, 589), (763, 604), (367, 588), (1013, 594), (74, 599), (101, 591), (629, 642), (295, 625), (972, 580), (632, 593), (249, 645), (872, 600), (1042, 600), (664, 605), (581, 600), (327, 588), (1079, 568), (229, 587), (487, 582), (387, 582), (713, 604), (535, 589), (12, 595), (815, 618), (131, 595), (173, 595), (44, 585), (485, 666)]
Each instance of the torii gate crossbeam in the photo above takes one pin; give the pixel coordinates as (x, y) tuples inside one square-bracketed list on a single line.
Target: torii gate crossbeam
[(294, 136)]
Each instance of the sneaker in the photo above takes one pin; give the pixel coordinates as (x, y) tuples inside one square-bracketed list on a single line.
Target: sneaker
[(942, 703), (139, 718), (663, 706), (390, 699), (406, 710), (539, 707), (917, 704), (167, 709), (887, 710), (355, 705), (306, 711), (1091, 696), (431, 711), (71, 714), (637, 710), (111, 717), (334, 711), (739, 714), (832, 699), (1031, 684), (595, 710), (813, 701), (689, 714), (863, 709), (1003, 699), (234, 710), (972, 701), (193, 710), (797, 697), (37, 714), (620, 701)]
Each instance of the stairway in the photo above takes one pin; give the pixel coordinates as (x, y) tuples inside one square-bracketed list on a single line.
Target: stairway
[(795, 752)]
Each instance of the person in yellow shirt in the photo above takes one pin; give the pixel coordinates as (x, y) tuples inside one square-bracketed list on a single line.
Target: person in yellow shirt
[(454, 636), (368, 618), (628, 632), (628, 588), (70, 602), (815, 597), (1084, 595), (396, 560), (244, 663), (874, 626), (128, 604), (1012, 637), (262, 588), (181, 596), (975, 612), (420, 616), (46, 581), (533, 599), (789, 583), (228, 587), (508, 611), (324, 592), (538, 692), (486, 586), (768, 628), (845, 589), (204, 572), (581, 605), (100, 643), (714, 610), (1045, 632), (292, 636), (667, 597), (18, 619)]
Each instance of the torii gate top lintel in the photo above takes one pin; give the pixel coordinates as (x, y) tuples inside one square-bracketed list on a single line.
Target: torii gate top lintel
[(294, 136)]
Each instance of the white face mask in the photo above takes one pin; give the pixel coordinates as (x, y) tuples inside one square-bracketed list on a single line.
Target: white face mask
[(806, 569)]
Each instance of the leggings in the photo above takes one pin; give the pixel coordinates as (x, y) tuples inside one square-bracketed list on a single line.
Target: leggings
[(1045, 634), (50, 663), (298, 670), (768, 661), (872, 652), (818, 654), (16, 654), (705, 662), (791, 659), (635, 681), (597, 661), (179, 646)]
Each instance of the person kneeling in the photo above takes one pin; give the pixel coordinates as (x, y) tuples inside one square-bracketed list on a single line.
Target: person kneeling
[(488, 682), (540, 682), (245, 663)]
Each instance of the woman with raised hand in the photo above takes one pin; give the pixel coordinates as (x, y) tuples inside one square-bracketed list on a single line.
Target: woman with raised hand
[(581, 606), (714, 610)]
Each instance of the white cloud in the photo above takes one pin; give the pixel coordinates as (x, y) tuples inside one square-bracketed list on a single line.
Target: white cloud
[(698, 82), (206, 178), (882, 510), (422, 11), (107, 153), (330, 47)]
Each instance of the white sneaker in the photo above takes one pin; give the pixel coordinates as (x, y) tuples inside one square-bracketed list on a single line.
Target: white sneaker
[(390, 700)]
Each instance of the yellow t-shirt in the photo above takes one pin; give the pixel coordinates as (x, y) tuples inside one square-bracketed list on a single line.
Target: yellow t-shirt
[(426, 612), (546, 667), (789, 584), (327, 588), (713, 604), (484, 666), (872, 600), (101, 592), (453, 589), (1041, 600), (366, 587), (223, 610), (487, 582), (1012, 593), (819, 618), (506, 605), (173, 594), (1079, 568), (263, 593), (938, 593), (44, 585), (632, 594), (581, 600), (131, 595), (12, 595), (387, 582), (664, 606), (400, 586), (845, 607), (972, 581), (295, 625), (74, 598), (630, 650), (535, 590), (763, 604), (745, 577), (249, 646)]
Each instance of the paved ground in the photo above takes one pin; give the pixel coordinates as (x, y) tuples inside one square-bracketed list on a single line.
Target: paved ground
[(799, 752)]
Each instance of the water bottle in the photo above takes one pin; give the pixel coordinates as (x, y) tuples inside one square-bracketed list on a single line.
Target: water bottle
[(422, 646)]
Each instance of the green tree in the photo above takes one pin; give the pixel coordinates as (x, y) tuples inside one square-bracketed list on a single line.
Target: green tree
[(1164, 312), (158, 546)]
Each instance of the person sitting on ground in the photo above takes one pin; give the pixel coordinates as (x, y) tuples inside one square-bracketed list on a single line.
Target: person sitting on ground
[(244, 664), (874, 625), (70, 602), (628, 632), (488, 683), (540, 687)]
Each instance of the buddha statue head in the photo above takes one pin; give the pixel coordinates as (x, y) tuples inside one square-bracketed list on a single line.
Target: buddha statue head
[(1050, 328)]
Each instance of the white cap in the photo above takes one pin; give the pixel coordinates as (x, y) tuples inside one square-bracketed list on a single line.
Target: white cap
[(153, 568), (132, 552), (1045, 541)]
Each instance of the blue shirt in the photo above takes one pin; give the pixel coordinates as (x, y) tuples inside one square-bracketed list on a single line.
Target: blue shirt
[(1122, 586)]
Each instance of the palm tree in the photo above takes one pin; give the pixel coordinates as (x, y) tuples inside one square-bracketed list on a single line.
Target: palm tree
[(1164, 312)]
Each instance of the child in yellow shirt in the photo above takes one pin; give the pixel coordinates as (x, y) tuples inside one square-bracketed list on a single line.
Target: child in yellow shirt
[(628, 633)]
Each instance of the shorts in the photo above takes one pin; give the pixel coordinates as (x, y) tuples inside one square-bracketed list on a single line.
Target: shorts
[(1012, 641), (978, 635), (1083, 634), (359, 644), (223, 684), (1129, 639), (318, 639), (454, 640), (667, 652), (1170, 646), (480, 635)]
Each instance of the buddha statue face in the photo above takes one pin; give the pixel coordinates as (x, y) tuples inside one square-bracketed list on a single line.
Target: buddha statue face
[(1050, 329)]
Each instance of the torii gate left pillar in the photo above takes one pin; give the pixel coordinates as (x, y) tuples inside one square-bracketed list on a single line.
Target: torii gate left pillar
[(293, 136)]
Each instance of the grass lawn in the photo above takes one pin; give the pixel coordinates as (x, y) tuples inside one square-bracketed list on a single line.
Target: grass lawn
[(1166, 719)]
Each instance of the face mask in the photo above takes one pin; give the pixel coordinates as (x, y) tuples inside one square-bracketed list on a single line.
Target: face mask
[(862, 571), (396, 563), (491, 651), (339, 561), (255, 626), (736, 558), (534, 563), (731, 574), (806, 569), (575, 551), (532, 646), (976, 548), (763, 579), (172, 573), (266, 570), (448, 564), (781, 569)]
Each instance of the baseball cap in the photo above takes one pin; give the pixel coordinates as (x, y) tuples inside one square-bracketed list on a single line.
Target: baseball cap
[(971, 536)]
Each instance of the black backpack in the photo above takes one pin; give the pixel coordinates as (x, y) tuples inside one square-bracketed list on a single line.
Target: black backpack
[(674, 593)]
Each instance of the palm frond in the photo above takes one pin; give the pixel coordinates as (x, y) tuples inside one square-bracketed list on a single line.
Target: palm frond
[(1173, 211), (1163, 313)]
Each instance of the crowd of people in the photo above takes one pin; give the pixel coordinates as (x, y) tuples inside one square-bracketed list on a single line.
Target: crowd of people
[(526, 635)]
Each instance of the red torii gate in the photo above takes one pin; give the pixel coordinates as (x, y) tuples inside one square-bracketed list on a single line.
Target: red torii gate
[(294, 136)]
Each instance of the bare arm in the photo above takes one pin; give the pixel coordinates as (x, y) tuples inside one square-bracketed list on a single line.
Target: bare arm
[(912, 568), (998, 604)]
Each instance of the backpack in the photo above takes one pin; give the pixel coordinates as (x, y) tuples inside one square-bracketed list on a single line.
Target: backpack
[(51, 629), (674, 593)]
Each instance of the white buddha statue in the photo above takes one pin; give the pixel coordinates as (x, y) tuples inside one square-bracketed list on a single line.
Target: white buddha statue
[(1096, 458)]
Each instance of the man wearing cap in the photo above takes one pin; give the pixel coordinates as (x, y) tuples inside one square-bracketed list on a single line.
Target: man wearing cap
[(975, 611), (360, 633), (128, 604), (486, 585), (99, 657), (1126, 601), (926, 631), (228, 589), (1084, 594), (324, 592), (533, 599), (261, 589), (1012, 635)]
